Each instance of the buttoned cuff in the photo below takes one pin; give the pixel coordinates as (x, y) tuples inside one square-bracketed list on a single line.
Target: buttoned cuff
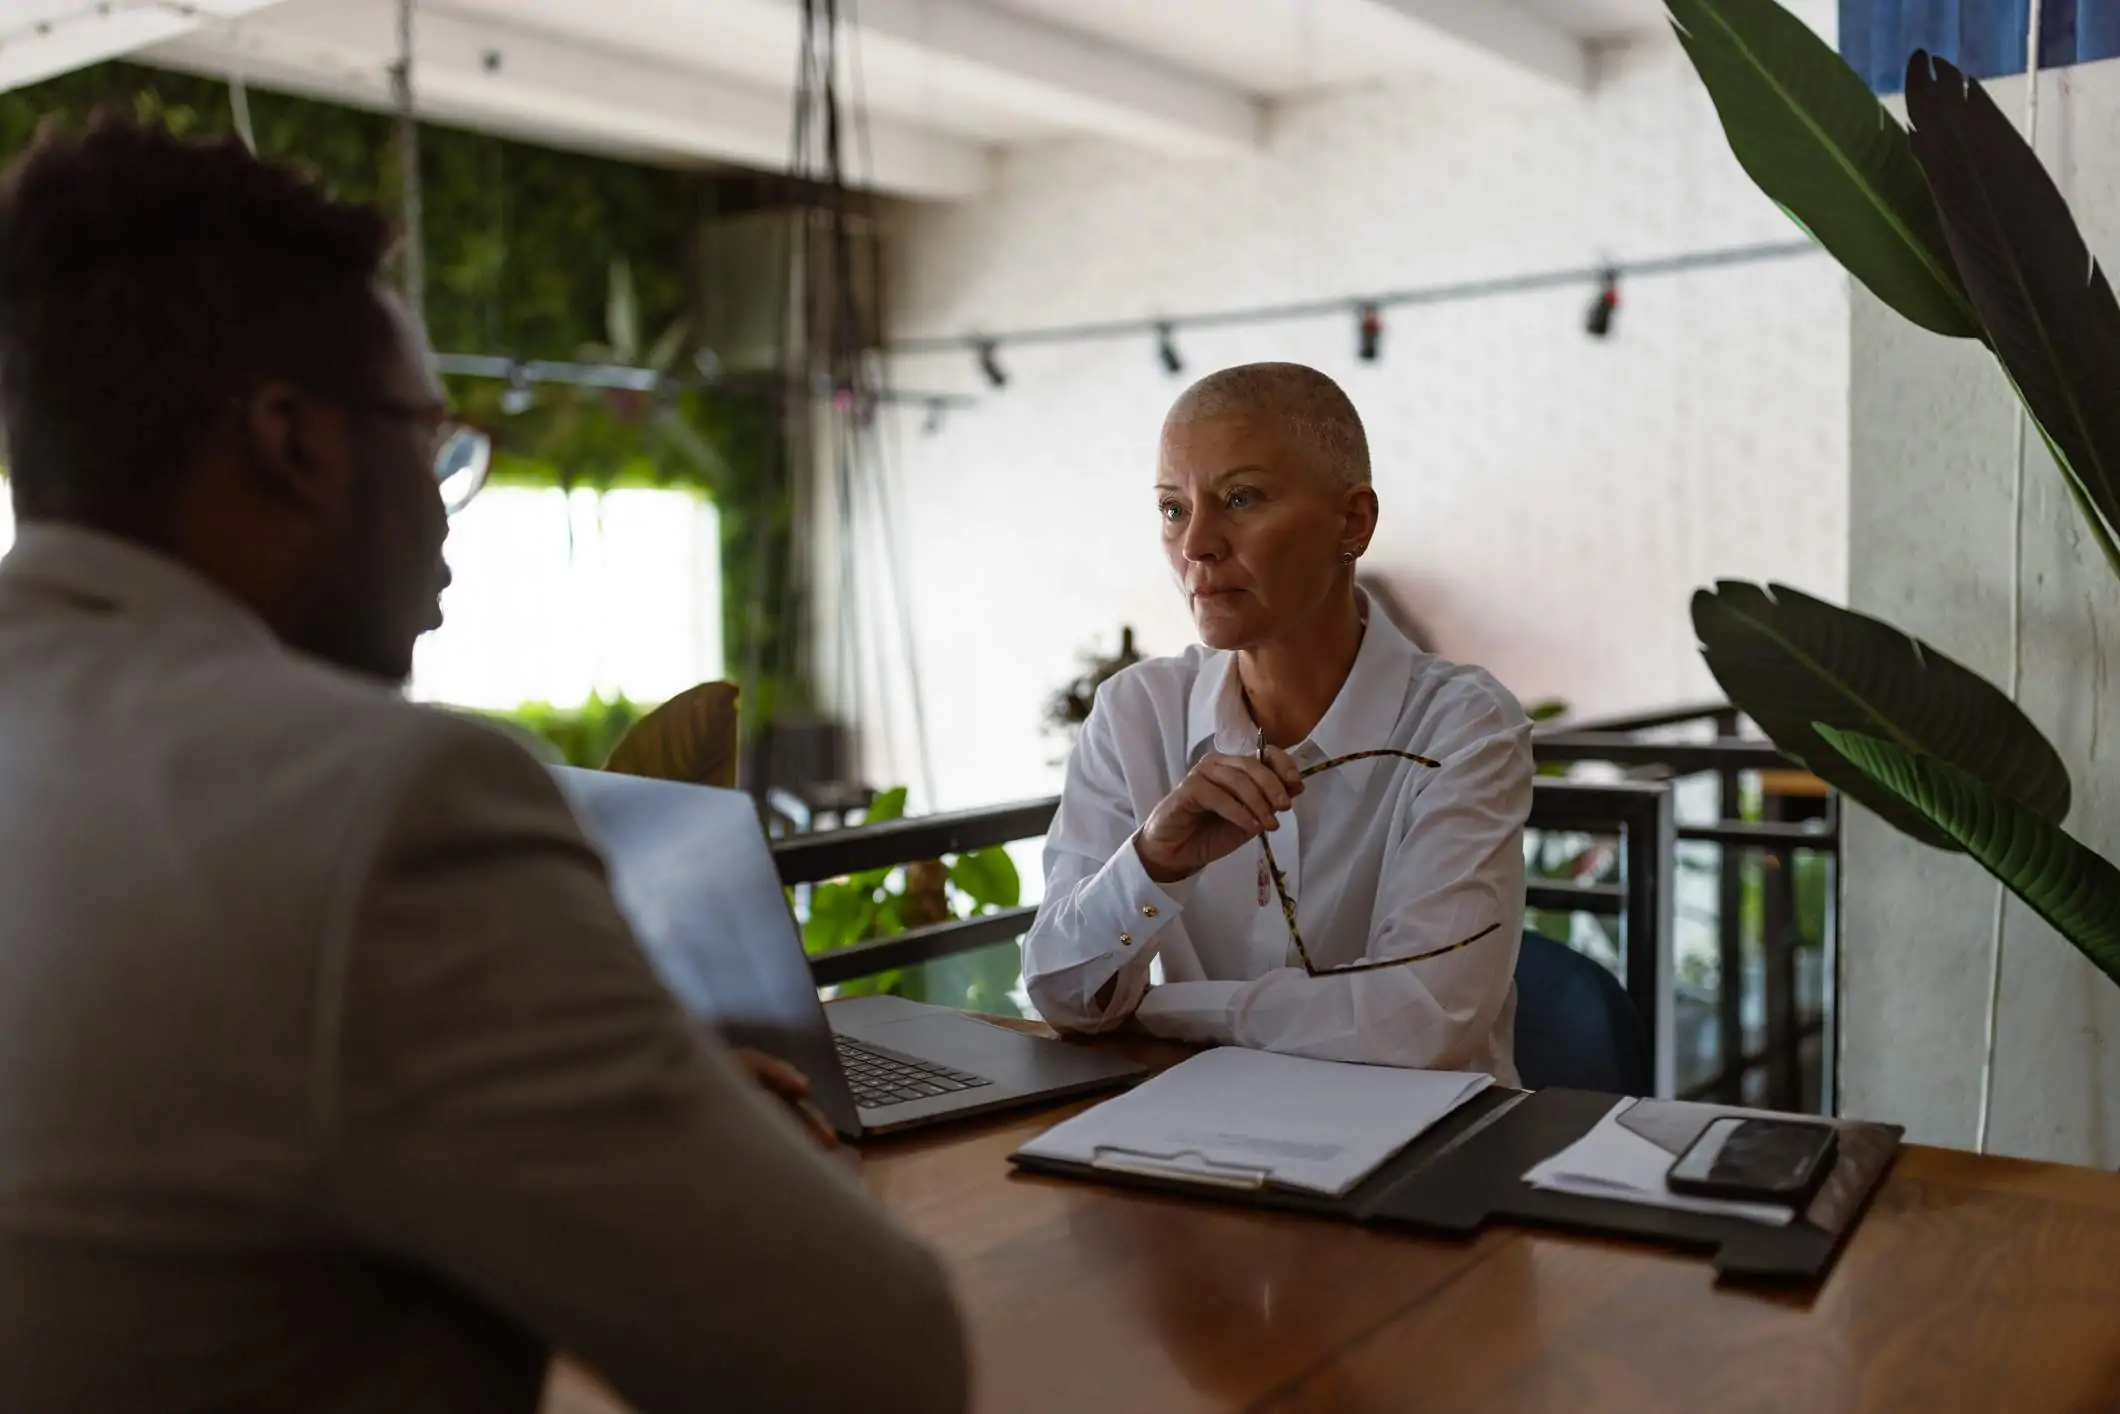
[(1190, 1011), (1120, 912)]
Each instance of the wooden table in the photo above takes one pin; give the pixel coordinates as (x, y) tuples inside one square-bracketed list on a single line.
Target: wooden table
[(1976, 1284)]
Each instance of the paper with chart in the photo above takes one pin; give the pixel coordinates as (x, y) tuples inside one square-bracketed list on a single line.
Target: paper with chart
[(1243, 1117)]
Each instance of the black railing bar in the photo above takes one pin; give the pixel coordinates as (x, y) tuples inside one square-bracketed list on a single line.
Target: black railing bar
[(1638, 722), (1585, 807), (1758, 834), (1812, 1026), (918, 945), (944, 940), (1604, 900), (828, 854), (1683, 758)]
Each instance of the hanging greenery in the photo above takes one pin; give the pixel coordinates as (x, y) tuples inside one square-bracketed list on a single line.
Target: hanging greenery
[(520, 245), (530, 253)]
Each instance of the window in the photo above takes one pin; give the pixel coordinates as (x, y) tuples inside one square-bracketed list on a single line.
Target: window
[(558, 595)]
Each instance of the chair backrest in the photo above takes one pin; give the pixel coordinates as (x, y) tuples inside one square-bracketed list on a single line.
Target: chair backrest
[(1575, 1024), (690, 738)]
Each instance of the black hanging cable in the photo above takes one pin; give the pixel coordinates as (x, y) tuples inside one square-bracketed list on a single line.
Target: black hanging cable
[(869, 465)]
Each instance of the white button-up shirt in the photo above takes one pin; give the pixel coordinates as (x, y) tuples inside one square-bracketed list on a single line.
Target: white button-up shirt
[(1384, 857)]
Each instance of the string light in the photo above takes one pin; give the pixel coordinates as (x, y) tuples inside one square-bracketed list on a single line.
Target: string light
[(990, 364), (517, 397), (1599, 320), (1167, 350)]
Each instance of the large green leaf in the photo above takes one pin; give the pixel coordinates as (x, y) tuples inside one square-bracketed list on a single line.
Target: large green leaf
[(988, 877), (1809, 131), (1790, 661), (888, 805), (2048, 308), (2069, 885), (840, 916)]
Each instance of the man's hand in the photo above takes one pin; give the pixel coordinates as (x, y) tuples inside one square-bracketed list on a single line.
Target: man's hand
[(790, 1085), (1222, 802)]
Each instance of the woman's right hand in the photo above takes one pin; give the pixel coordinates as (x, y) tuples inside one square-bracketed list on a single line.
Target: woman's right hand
[(1222, 802)]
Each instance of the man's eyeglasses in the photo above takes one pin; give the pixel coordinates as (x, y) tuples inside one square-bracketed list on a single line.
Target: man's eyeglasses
[(1288, 904), (462, 456)]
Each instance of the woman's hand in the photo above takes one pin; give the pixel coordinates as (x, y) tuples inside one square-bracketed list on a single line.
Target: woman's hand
[(1222, 802)]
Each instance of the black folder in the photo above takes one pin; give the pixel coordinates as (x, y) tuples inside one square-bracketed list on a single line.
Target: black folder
[(1467, 1171)]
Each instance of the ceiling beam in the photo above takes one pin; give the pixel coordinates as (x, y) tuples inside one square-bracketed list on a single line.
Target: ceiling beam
[(1492, 41), (41, 39), (496, 77), (1075, 78)]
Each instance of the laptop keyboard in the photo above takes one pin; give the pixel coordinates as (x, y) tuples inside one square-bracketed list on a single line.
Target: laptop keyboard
[(880, 1078)]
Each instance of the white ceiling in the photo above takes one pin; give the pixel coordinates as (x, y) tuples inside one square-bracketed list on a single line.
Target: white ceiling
[(942, 82)]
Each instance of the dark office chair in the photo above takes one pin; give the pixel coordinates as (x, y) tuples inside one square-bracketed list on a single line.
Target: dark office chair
[(1575, 1024)]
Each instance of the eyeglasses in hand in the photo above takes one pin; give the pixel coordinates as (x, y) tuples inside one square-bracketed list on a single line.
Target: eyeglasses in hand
[(1288, 904)]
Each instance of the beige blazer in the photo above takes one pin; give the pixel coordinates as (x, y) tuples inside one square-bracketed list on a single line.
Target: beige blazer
[(332, 1080)]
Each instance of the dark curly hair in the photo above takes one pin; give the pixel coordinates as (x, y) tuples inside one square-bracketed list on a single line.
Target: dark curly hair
[(145, 279)]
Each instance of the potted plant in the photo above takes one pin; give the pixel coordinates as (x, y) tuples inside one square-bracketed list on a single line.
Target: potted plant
[(1954, 224)]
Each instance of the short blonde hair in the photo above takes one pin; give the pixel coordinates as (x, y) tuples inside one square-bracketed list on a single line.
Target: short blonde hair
[(1308, 405)]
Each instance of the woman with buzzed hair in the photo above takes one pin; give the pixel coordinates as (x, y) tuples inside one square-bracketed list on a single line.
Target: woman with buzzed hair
[(1314, 826)]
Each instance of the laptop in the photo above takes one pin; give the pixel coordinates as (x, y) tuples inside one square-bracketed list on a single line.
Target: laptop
[(692, 873)]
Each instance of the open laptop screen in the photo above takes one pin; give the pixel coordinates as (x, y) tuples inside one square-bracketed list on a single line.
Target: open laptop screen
[(692, 873)]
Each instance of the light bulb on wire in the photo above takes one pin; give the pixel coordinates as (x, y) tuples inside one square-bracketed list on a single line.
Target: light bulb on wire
[(990, 365), (1598, 323), (1167, 350)]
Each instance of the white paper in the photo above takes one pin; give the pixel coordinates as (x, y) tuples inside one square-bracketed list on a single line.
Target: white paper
[(1612, 1161), (1236, 1115)]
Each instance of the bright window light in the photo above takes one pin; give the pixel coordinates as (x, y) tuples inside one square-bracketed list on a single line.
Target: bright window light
[(627, 605), (559, 595)]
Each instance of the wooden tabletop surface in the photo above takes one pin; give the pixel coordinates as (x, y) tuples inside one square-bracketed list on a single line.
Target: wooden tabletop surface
[(1976, 1284)]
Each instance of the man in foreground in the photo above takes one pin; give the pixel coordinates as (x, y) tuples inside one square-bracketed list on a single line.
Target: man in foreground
[(330, 1077)]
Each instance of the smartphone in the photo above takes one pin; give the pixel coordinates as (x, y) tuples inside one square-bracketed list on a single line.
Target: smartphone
[(1756, 1160)]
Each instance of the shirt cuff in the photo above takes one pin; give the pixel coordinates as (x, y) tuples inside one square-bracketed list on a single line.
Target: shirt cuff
[(1120, 911), (1190, 1011)]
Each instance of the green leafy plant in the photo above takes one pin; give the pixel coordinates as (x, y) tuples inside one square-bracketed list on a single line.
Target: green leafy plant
[(531, 253), (1069, 708), (883, 903), (579, 736), (1956, 226)]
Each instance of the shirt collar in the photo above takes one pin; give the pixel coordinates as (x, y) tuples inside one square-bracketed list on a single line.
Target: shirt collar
[(1364, 715), (122, 574)]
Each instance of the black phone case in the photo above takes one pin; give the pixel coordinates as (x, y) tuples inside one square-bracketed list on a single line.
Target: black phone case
[(1795, 1195)]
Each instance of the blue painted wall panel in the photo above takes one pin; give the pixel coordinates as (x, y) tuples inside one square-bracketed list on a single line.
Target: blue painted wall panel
[(1983, 37)]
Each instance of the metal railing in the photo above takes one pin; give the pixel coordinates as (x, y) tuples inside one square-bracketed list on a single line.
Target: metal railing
[(1777, 842), (1637, 815), (1638, 896)]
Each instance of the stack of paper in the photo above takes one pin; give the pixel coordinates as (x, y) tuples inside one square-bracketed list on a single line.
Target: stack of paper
[(1630, 1162), (1252, 1118)]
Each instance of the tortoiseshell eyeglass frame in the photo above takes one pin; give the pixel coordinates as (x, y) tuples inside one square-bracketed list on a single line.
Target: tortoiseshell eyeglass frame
[(1288, 904)]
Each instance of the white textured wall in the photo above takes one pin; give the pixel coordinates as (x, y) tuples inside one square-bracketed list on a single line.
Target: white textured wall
[(1930, 528), (1550, 501)]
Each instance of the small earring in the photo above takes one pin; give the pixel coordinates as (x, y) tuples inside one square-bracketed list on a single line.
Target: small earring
[(1346, 557)]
